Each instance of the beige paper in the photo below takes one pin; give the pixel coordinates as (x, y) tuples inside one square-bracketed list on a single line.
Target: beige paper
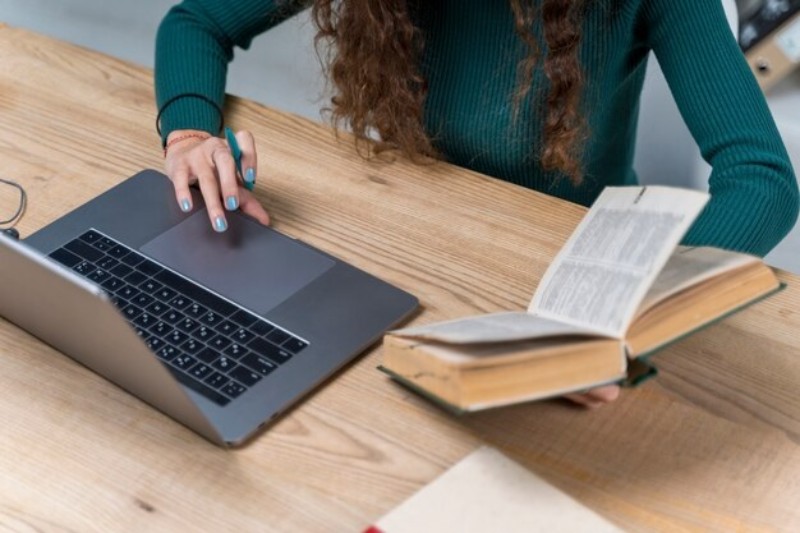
[(488, 492)]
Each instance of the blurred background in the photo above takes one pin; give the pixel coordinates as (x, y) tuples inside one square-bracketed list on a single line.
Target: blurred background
[(281, 70)]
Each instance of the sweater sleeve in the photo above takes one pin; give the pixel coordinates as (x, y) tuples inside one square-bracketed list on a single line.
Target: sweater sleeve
[(194, 44), (754, 193)]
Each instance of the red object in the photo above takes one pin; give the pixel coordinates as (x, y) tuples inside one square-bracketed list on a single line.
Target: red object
[(183, 138)]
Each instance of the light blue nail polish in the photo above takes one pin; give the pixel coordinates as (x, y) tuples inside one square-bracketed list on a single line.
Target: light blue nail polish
[(250, 175), (232, 203), (186, 205), (220, 225)]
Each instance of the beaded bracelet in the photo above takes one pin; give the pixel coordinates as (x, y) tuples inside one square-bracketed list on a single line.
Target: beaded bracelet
[(180, 138)]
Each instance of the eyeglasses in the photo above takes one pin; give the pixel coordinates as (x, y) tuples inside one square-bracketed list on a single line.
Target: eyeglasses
[(23, 202)]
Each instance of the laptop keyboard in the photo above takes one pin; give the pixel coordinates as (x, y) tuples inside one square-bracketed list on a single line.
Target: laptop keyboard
[(209, 344)]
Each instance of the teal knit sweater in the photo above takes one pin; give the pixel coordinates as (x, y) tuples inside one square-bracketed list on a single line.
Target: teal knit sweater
[(471, 53)]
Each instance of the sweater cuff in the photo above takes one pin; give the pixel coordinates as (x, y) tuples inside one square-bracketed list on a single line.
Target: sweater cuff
[(190, 112)]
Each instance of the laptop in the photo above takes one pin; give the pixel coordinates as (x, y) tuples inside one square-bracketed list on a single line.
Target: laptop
[(221, 331)]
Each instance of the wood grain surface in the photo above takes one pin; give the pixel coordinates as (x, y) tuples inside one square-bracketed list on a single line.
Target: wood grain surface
[(712, 444)]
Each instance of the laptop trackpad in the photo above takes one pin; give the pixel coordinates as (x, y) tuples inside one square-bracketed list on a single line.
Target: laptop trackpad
[(249, 264)]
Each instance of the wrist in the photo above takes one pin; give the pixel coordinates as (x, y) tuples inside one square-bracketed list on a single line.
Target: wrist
[(184, 137)]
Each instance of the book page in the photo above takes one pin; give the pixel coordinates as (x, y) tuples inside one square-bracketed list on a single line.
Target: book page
[(602, 273), (487, 492), (689, 265), (494, 327)]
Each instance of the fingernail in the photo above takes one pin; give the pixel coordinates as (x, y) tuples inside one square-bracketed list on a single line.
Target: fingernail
[(186, 205), (250, 175), (231, 203), (220, 225)]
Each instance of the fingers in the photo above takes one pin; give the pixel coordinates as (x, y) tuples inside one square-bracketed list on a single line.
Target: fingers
[(180, 180), (226, 170), (210, 189), (596, 397), (210, 163), (249, 157), (250, 206)]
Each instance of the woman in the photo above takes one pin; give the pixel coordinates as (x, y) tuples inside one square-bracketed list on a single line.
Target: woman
[(542, 93)]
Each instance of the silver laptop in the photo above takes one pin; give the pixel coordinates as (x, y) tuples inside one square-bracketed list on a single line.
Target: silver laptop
[(221, 331)]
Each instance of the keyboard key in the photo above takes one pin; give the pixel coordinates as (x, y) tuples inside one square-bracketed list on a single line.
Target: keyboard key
[(216, 380), (90, 236), (233, 389), (211, 319), (118, 251), (176, 337), (144, 335), (278, 336), (226, 328), (172, 316), (113, 283), (148, 268), (145, 320), (236, 351), (204, 333), (84, 268), (219, 342), (186, 325), (135, 278), (65, 257), (131, 312), (157, 308), (262, 365), (161, 328), (207, 355), (142, 299), (261, 328), (294, 345), (120, 303), (132, 259), (195, 310), (126, 291), (200, 371), (184, 361), (150, 286), (263, 347), (200, 388), (224, 364), (179, 302), (196, 293), (103, 244), (79, 247), (107, 263), (243, 318), (98, 276), (167, 352), (121, 270), (192, 346), (242, 335), (165, 294), (245, 375), (155, 344)]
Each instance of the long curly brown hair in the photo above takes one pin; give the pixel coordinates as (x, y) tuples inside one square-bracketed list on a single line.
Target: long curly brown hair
[(373, 61)]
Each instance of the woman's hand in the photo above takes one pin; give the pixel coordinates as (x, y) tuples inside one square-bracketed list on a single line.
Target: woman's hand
[(594, 398), (207, 160)]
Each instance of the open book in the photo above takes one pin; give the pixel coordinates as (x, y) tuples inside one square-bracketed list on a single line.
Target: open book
[(620, 289)]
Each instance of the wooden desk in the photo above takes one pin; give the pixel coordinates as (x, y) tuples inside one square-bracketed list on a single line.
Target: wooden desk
[(712, 444)]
